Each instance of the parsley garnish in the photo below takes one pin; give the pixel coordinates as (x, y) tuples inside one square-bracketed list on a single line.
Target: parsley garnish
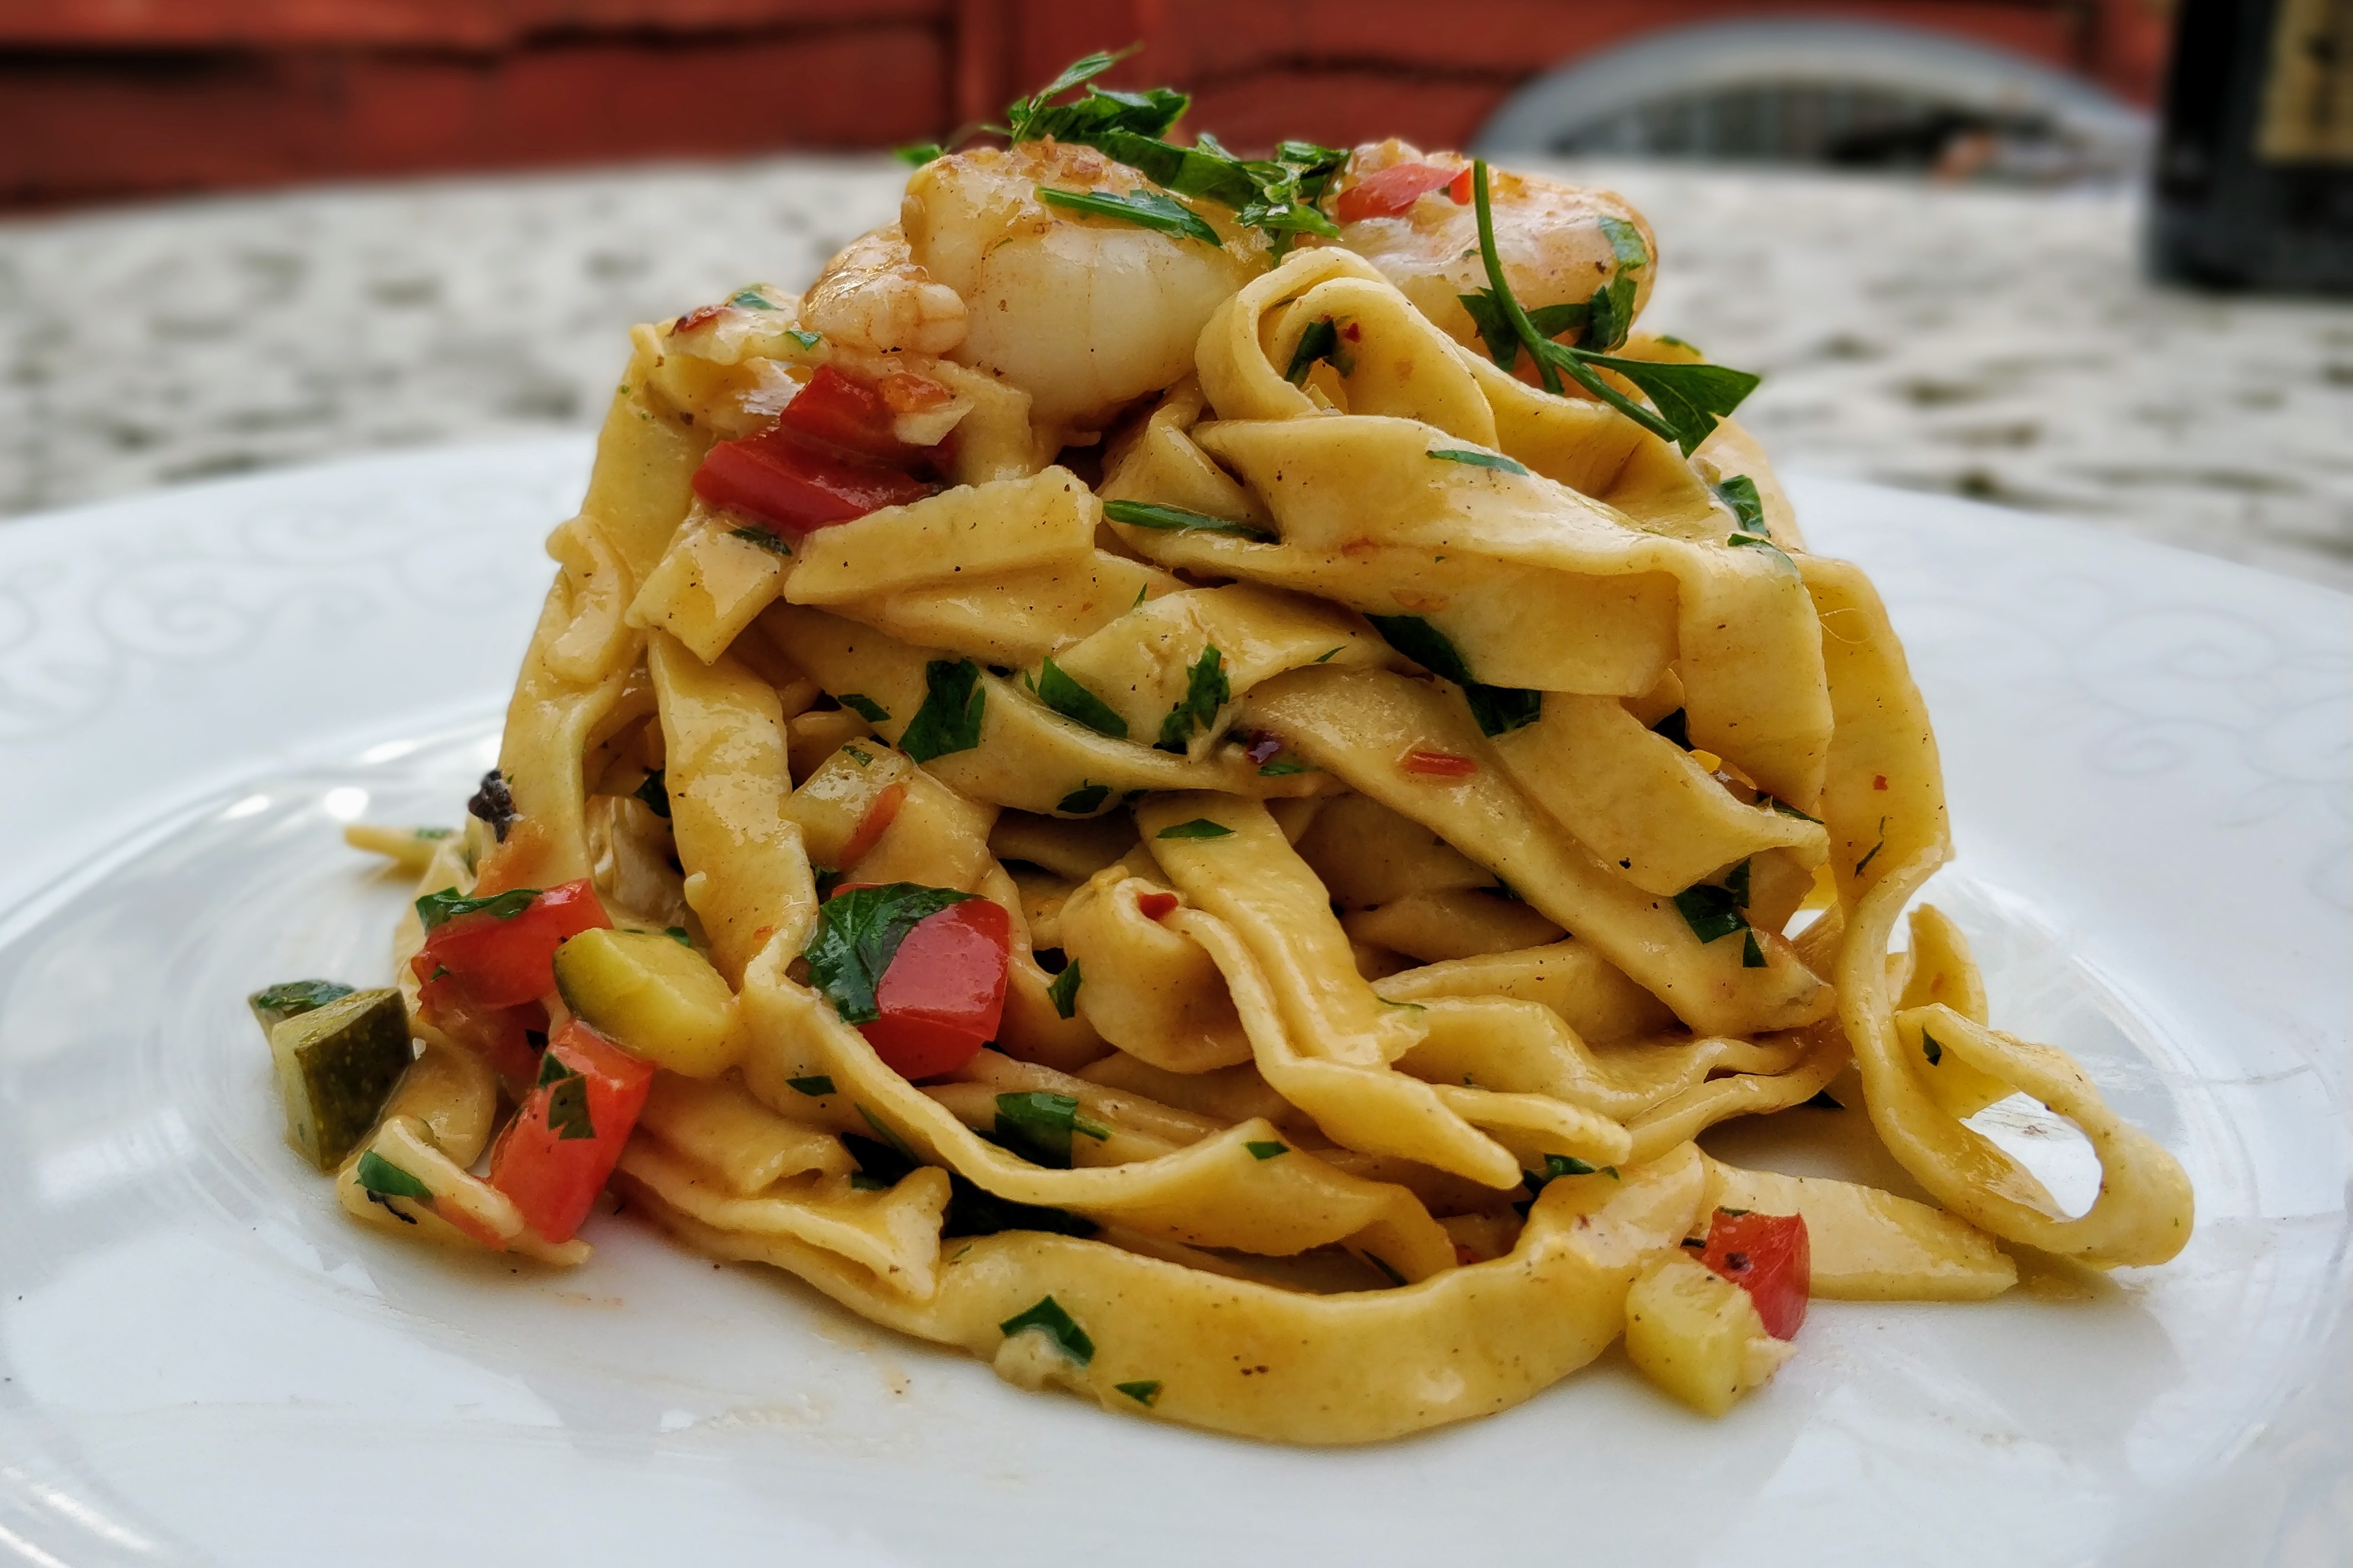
[(1688, 399), (1556, 1167), (293, 998), (817, 1086), (973, 1210), (1758, 542), (1502, 709), (1785, 809), (1930, 1048), (1495, 327), (750, 300), (1199, 827), (1037, 1125), (1875, 848), (1735, 882), (1478, 460), (949, 720), (1085, 800), (1143, 1393), (1752, 952), (1205, 691), (915, 154), (763, 538), (440, 908), (1321, 340), (381, 1177), (1064, 991), (1268, 1149), (1498, 709), (1065, 696), (1626, 241), (858, 932), (1145, 209), (1146, 113), (1283, 767), (865, 707), (1177, 519), (1385, 1266), (679, 935), (806, 339), (1048, 1315), (435, 832), (1739, 493), (1712, 912), (567, 1098), (495, 804), (1325, 656), (654, 793)]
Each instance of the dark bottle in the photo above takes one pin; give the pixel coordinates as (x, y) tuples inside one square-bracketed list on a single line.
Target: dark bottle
[(2254, 167)]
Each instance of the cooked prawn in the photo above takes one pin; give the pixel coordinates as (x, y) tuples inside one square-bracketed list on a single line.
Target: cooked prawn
[(1553, 240), (874, 299), (1085, 314)]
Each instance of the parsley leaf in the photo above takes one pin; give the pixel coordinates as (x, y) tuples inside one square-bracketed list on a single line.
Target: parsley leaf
[(1735, 882), (654, 793), (1739, 493), (817, 1086), (1064, 991), (1177, 519), (973, 1210), (1688, 399), (1101, 113), (806, 338), (293, 998), (1267, 1149), (1048, 1315), (1875, 848), (1931, 1049), (1144, 1391), (1626, 241), (949, 720), (1206, 690), (1067, 697), (440, 908), (1610, 314), (1145, 209), (1199, 827), (915, 154), (1785, 809), (680, 935), (1497, 331), (865, 707), (858, 932), (1424, 643), (1283, 767), (1478, 460), (1085, 800), (380, 1176), (763, 538), (1752, 952), (1500, 709), (1711, 912), (750, 300), (1321, 340), (1038, 1124), (567, 1108)]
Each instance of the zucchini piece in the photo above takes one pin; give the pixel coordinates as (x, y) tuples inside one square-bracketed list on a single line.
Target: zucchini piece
[(274, 1004), (654, 997), (1698, 1335), (834, 804), (337, 1066)]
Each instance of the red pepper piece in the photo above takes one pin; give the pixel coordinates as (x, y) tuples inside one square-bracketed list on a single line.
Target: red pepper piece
[(875, 822), (696, 317), (500, 961), (944, 992), (858, 418), (1157, 906), (1438, 764), (1458, 190), (782, 480), (1392, 190), (500, 1035), (1769, 1255), (557, 1154)]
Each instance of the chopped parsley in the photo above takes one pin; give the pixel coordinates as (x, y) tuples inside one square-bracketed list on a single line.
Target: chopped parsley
[(1177, 519), (858, 932), (1388, 1269), (293, 998), (1478, 460), (1739, 493), (1206, 690), (440, 908), (817, 1086), (1199, 827), (1037, 1124), (1145, 209), (1325, 656), (654, 793), (750, 300), (1735, 882), (567, 1098), (915, 154), (1144, 1391), (381, 1178), (1758, 542), (1085, 800), (1785, 809), (1498, 709), (1320, 341), (1688, 400), (1283, 767), (1625, 242), (1875, 848), (1556, 1167), (949, 720), (1752, 952), (1930, 1048), (1503, 709), (762, 537), (495, 804), (679, 935), (1048, 1315), (1267, 1149), (807, 339), (1064, 991), (1711, 912), (865, 707), (1072, 700)]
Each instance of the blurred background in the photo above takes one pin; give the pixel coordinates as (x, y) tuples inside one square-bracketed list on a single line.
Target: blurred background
[(2022, 250)]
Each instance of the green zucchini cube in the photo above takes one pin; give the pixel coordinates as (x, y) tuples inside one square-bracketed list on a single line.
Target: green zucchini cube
[(337, 1065), (274, 1004)]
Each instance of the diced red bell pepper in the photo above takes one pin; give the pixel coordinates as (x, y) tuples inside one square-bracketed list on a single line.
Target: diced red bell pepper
[(1769, 1255), (499, 961), (784, 480), (695, 318), (1155, 906), (1438, 764), (557, 1154), (500, 1035), (842, 412), (1393, 190), (944, 992)]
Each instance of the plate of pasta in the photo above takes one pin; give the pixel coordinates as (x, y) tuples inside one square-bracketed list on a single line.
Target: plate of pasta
[(1193, 859)]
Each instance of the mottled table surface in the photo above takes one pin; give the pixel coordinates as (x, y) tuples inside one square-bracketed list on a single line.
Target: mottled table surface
[(1998, 344)]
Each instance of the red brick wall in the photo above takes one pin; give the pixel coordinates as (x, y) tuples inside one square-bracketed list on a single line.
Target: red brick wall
[(102, 98)]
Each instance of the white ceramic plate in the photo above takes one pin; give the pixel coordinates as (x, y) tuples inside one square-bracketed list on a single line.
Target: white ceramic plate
[(201, 1362)]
